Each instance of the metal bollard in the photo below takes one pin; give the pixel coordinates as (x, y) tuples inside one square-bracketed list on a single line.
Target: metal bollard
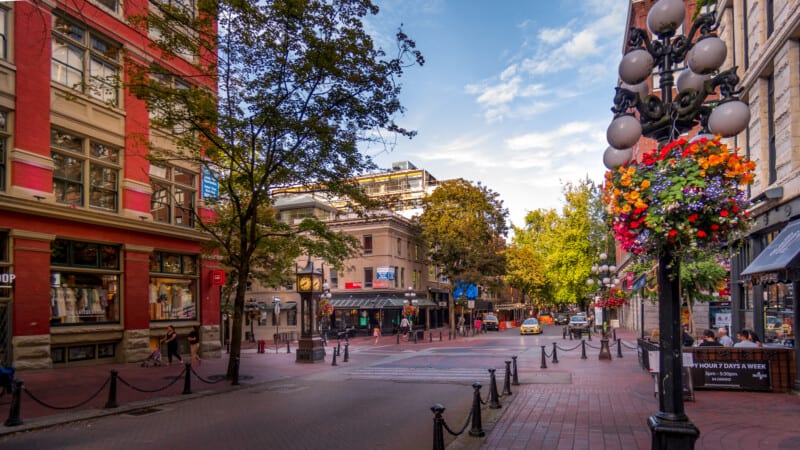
[(583, 349), (288, 350), (438, 426), (494, 402), (614, 332), (235, 381), (571, 333), (112, 391), (346, 352), (13, 414), (187, 380), (415, 336), (440, 335), (333, 363), (514, 378), (398, 338), (564, 336), (590, 335), (339, 347), (507, 379), (431, 336), (555, 353), (544, 359), (477, 427), (619, 348)]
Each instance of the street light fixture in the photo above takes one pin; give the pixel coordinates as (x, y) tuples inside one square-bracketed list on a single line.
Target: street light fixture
[(664, 118), (603, 273)]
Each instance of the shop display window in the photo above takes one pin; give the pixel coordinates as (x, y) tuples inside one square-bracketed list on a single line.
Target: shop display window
[(84, 283), (173, 287)]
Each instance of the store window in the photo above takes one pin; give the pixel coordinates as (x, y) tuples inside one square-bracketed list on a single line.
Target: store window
[(4, 35), (334, 276), (83, 169), (367, 244), (84, 283), (173, 286), (3, 147), (173, 198), (291, 317), (368, 277), (111, 5), (85, 61)]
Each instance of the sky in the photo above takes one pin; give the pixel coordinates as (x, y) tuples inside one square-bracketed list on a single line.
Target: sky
[(514, 94)]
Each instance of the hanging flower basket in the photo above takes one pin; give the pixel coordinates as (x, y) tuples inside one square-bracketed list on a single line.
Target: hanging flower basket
[(682, 195), (325, 308), (409, 310), (611, 298)]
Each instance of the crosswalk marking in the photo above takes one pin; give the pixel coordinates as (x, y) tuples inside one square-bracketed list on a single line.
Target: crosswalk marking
[(469, 375)]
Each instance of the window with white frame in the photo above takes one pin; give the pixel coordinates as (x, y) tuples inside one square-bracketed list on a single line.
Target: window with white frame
[(111, 5), (84, 168), (3, 149), (85, 61), (4, 16), (170, 120), (173, 198)]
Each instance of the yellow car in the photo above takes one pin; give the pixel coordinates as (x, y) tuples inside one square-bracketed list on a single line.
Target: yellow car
[(530, 326)]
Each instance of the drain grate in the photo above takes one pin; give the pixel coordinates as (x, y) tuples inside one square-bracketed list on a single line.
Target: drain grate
[(143, 411)]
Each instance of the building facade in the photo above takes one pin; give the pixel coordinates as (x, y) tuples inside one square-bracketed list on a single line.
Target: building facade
[(99, 251)]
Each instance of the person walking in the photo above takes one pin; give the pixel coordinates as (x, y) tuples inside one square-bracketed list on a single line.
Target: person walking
[(376, 332), (404, 325), (194, 345), (171, 339)]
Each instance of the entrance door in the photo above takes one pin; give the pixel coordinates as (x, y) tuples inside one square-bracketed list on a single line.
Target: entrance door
[(5, 333)]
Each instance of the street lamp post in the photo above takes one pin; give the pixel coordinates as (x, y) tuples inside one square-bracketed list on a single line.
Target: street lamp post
[(664, 118), (603, 272), (411, 297)]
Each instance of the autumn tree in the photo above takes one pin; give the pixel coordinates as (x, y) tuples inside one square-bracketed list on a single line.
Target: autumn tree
[(464, 226), (526, 257), (277, 94)]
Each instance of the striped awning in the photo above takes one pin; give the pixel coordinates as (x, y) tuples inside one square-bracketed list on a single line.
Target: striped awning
[(377, 302)]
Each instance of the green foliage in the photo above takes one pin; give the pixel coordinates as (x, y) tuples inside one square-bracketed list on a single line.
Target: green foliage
[(700, 279), (270, 95), (464, 226)]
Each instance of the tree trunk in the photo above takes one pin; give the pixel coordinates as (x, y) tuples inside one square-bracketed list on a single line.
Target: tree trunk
[(236, 332)]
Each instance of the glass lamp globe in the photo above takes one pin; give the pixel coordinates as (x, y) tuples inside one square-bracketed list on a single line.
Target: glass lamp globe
[(613, 158), (603, 256), (612, 268), (690, 80), (636, 66), (624, 131), (729, 118), (665, 17), (590, 281), (707, 55)]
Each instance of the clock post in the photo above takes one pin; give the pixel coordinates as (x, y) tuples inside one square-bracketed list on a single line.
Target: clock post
[(310, 348)]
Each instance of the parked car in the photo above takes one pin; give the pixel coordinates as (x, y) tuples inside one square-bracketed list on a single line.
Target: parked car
[(530, 326), (578, 325), (546, 318), (562, 319), (490, 322)]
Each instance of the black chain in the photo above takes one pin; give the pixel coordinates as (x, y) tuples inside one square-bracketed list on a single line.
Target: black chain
[(548, 355), (592, 346), (462, 428), (630, 347), (122, 380), (205, 380), (47, 405), (567, 349)]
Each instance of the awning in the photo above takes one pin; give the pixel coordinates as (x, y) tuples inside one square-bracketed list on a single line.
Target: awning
[(377, 302), (781, 254)]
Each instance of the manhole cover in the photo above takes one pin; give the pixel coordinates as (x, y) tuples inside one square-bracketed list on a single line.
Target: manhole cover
[(142, 412)]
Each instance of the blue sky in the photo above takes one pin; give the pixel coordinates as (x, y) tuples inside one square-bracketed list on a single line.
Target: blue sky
[(514, 94)]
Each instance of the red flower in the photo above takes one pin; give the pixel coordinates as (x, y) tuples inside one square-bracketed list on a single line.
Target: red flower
[(714, 227), (701, 233), (724, 213), (693, 217), (673, 233)]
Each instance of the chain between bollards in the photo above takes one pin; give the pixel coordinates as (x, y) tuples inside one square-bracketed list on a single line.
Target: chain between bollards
[(477, 427), (112, 391), (507, 379), (514, 378), (555, 353), (583, 349), (544, 359), (494, 398)]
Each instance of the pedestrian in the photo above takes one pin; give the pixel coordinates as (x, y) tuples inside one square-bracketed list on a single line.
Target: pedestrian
[(478, 324), (171, 339), (194, 345), (709, 340), (745, 340), (404, 326), (376, 332), (687, 338), (724, 339), (461, 325)]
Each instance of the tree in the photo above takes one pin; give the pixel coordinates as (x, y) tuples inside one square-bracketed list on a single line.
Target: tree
[(273, 94), (527, 256), (464, 226)]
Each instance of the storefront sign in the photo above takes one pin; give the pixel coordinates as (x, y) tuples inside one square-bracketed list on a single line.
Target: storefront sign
[(377, 284), (385, 273), (218, 278), (352, 285), (6, 280), (738, 375), (209, 186)]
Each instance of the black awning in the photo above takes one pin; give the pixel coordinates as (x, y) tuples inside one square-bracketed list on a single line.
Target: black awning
[(781, 254)]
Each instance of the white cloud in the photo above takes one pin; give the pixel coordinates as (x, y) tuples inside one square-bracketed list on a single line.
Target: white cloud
[(554, 35)]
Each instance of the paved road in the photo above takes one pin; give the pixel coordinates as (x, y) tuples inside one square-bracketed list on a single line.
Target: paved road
[(381, 402)]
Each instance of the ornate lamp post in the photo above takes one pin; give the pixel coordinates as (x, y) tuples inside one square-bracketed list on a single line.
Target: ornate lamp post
[(604, 272), (664, 118), (411, 297), (310, 347)]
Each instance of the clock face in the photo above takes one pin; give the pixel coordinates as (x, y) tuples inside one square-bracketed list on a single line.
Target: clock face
[(317, 284), (304, 283)]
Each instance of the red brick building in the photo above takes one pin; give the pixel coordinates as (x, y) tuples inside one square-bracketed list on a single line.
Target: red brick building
[(102, 244)]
